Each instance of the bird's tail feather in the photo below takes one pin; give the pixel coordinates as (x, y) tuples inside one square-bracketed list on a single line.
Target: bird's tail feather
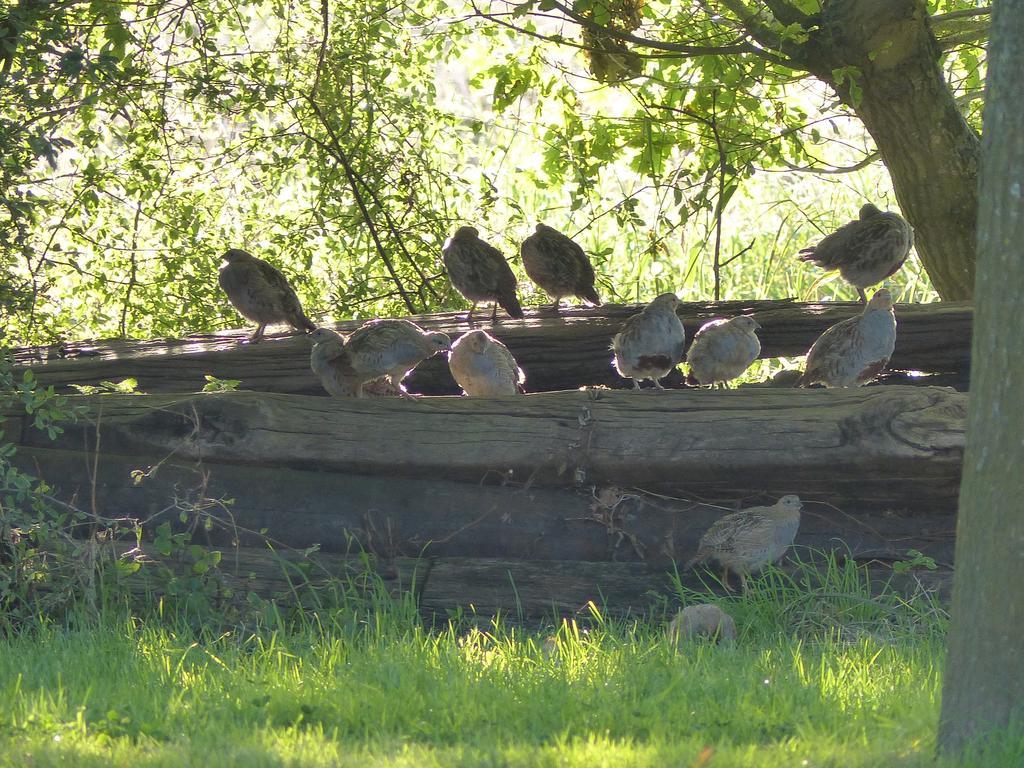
[(510, 303)]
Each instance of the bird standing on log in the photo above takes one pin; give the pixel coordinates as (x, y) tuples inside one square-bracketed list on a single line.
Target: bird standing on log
[(480, 273), (723, 349), (484, 367), (866, 250), (856, 350), (377, 348), (559, 266), (261, 293), (650, 343), (744, 542)]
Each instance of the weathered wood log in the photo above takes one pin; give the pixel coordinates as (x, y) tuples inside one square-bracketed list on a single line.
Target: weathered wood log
[(566, 352), (392, 517), (882, 445)]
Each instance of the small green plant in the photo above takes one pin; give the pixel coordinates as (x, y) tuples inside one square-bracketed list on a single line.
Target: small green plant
[(213, 384), (915, 559), (129, 386)]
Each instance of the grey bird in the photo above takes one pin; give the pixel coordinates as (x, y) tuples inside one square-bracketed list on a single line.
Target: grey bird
[(723, 349), (377, 348), (480, 273), (261, 293), (744, 542), (559, 266), (865, 251), (702, 621), (484, 367), (650, 343), (327, 359), (854, 351)]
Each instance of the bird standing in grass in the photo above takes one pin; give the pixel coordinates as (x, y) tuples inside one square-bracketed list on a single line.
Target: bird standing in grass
[(260, 293), (650, 343), (866, 250), (744, 542), (480, 273), (377, 348), (856, 350), (559, 266), (723, 349), (484, 367)]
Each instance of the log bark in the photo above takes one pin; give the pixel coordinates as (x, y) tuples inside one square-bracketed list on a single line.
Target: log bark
[(391, 517), (557, 353), (880, 445), (984, 684)]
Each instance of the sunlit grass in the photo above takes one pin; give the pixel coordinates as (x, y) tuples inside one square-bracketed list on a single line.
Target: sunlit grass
[(819, 676)]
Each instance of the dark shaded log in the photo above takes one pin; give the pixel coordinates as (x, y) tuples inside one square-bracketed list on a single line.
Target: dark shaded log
[(881, 445), (557, 353), (523, 591)]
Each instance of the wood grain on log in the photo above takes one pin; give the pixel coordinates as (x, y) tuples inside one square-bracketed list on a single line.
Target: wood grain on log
[(557, 353), (393, 517), (882, 445)]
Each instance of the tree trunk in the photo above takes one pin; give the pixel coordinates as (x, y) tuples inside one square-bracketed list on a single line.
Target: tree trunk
[(567, 352), (901, 95), (984, 685)]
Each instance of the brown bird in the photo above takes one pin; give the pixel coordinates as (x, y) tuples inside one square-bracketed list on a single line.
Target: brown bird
[(261, 293), (650, 343), (856, 350), (559, 266), (702, 621), (480, 273), (484, 367), (723, 349), (377, 348), (866, 250), (744, 542)]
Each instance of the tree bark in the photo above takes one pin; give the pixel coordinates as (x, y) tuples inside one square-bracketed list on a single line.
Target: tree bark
[(556, 353), (984, 684), (901, 95)]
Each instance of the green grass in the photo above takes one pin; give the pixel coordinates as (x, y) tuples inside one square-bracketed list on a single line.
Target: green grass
[(823, 675)]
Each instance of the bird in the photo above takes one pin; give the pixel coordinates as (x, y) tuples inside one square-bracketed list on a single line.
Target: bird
[(261, 293), (866, 250), (480, 273), (484, 367), (723, 349), (377, 348), (651, 343), (856, 350), (559, 266), (697, 621), (744, 542), (327, 360)]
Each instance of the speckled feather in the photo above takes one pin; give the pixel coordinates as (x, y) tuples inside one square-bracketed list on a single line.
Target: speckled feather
[(866, 250), (327, 359), (479, 271), (383, 348), (723, 349), (260, 292), (744, 542), (854, 351), (484, 367), (558, 265), (651, 343)]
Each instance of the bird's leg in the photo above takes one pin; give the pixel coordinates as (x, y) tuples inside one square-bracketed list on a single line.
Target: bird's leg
[(743, 583), (636, 383), (725, 578), (257, 335), (396, 382), (494, 314), (554, 307), (657, 384), (863, 296), (469, 317)]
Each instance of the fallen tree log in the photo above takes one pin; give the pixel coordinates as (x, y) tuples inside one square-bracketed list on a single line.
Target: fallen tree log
[(879, 446), (566, 352), (228, 506)]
